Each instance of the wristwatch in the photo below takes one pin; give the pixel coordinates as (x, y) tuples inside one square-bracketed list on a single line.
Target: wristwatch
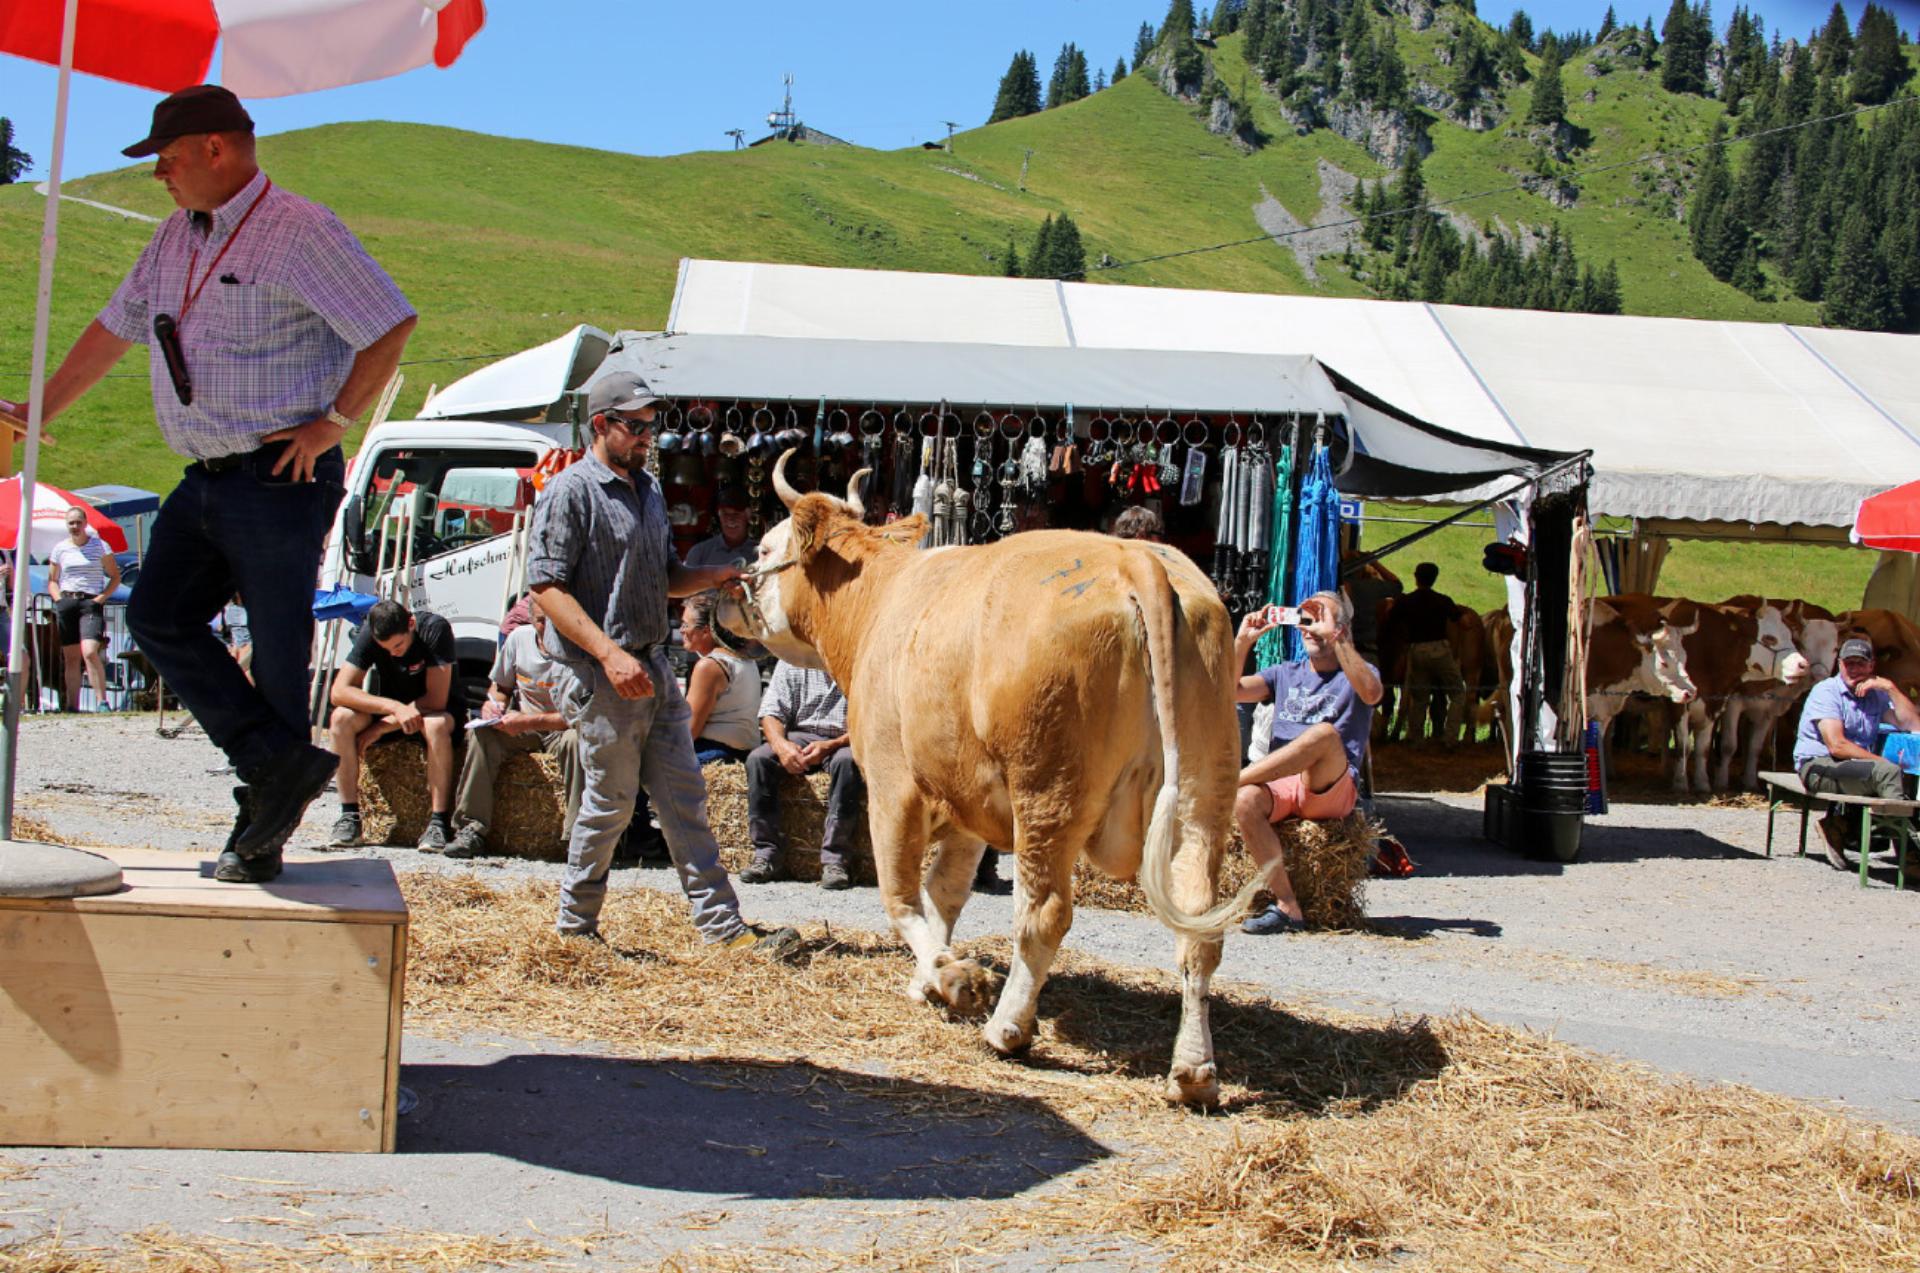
[(338, 417)]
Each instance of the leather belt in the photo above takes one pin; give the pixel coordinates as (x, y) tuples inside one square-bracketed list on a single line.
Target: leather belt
[(226, 463)]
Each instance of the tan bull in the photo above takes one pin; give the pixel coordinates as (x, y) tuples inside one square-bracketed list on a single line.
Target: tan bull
[(1065, 694)]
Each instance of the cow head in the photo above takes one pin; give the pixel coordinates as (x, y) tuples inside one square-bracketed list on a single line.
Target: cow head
[(1664, 644), (1774, 655), (1820, 643), (817, 549)]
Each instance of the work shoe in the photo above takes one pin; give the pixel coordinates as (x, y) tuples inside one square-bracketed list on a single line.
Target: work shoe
[(434, 838), (765, 868), (774, 943), (346, 831), (231, 868), (281, 798), (1834, 832), (1271, 921), (834, 877), (468, 842)]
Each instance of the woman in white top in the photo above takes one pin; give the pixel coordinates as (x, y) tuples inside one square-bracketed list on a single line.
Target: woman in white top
[(723, 690), (82, 573)]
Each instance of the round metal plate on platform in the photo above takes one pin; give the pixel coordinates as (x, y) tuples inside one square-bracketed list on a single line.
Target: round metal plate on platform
[(54, 870)]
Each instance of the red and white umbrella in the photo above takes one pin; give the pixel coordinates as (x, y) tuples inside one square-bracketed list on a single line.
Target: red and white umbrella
[(50, 508), (1890, 520), (272, 48)]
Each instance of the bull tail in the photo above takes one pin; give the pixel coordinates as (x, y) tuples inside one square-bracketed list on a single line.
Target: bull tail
[(1154, 600)]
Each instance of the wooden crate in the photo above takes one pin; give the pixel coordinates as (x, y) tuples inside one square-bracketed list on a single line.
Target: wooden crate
[(183, 1013)]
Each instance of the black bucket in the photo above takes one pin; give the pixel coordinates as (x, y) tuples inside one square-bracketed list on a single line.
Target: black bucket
[(1553, 802), (1500, 816)]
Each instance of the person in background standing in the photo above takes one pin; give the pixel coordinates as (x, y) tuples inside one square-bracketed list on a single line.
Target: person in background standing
[(82, 573), (1425, 615)]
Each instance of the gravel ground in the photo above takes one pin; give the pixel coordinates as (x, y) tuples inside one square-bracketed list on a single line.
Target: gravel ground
[(1674, 941)]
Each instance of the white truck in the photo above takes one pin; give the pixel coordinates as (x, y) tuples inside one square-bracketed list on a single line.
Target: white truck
[(436, 507)]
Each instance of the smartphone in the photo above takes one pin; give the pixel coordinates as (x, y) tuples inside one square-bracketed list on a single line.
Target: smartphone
[(1288, 616)]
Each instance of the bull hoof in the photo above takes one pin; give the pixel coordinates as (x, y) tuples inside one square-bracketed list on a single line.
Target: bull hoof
[(964, 986), (1008, 1038), (1195, 1086)]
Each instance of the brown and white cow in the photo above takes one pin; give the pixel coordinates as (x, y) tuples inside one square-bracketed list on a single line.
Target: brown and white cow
[(1727, 647), (1065, 694), (1632, 648), (1761, 704)]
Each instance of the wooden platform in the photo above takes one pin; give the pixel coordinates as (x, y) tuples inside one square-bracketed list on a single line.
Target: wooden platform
[(186, 1013)]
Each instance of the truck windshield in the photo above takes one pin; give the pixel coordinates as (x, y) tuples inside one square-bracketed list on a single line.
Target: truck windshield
[(451, 498)]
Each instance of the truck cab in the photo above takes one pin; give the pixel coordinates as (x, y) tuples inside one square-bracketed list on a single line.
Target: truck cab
[(436, 507)]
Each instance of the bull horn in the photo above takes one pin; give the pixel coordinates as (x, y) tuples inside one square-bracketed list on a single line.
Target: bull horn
[(854, 502), (781, 486)]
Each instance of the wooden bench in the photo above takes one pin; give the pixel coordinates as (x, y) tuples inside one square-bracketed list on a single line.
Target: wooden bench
[(1785, 789)]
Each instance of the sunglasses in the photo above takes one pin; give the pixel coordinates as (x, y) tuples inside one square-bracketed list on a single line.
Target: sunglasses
[(629, 423), (166, 334)]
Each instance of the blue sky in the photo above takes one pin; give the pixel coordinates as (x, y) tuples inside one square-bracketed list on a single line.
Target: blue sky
[(654, 79)]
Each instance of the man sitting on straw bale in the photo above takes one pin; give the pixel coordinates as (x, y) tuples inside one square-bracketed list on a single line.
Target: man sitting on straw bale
[(413, 655), (1322, 709), (521, 714), (804, 718)]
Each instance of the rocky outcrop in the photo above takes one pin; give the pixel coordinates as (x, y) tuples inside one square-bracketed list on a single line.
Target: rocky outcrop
[(1386, 134), (1308, 245)]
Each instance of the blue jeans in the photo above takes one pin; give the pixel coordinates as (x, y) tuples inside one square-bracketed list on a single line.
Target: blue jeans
[(238, 531)]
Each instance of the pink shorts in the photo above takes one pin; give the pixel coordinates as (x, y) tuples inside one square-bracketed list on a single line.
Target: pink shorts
[(1292, 798)]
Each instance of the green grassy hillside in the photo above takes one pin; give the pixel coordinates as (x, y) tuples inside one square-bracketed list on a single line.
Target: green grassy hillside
[(505, 243)]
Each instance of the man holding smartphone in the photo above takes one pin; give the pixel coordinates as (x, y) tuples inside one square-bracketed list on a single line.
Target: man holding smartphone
[(273, 331), (1322, 711)]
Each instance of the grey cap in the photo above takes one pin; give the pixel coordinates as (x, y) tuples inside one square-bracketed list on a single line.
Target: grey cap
[(619, 391), (1856, 649)]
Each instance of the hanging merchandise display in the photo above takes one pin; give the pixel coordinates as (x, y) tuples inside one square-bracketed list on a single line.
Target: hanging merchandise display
[(1225, 559), (1193, 475), (1317, 555), (1272, 647)]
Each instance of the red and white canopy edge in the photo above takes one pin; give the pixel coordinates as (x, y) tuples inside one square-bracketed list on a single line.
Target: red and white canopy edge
[(273, 48), (1890, 520), (51, 505)]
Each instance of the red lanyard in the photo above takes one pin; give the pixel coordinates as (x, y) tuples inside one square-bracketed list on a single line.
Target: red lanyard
[(188, 297)]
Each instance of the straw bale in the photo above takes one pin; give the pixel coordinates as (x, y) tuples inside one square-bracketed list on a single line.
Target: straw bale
[(803, 820), (1326, 863), (529, 802)]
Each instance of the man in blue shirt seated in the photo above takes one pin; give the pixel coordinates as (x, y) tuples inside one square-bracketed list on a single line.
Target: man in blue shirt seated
[(1322, 711), (1834, 750)]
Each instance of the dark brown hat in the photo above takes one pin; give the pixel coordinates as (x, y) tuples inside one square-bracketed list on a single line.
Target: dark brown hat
[(733, 497), (204, 108)]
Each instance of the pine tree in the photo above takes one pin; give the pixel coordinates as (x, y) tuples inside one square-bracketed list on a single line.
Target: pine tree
[(1040, 255), (1119, 70), (1100, 79), (1683, 66), (1019, 89), (1709, 198), (1857, 293), (1607, 25), (1179, 20), (14, 162), (1520, 27), (1833, 49), (1010, 263), (1879, 65), (1549, 97), (1646, 37), (1142, 44), (1069, 80), (1069, 254)]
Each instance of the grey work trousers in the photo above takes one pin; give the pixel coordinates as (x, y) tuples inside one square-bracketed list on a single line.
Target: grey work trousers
[(488, 749), (1876, 777), (626, 743), (846, 800)]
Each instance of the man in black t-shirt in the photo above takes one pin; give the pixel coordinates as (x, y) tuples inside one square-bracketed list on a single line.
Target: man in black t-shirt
[(413, 662), (1425, 615)]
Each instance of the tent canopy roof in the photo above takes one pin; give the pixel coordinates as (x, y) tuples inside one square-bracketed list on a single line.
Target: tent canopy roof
[(1689, 421), (1391, 453)]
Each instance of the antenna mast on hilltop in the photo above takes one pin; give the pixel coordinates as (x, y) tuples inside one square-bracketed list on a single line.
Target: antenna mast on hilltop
[(950, 127), (782, 121)]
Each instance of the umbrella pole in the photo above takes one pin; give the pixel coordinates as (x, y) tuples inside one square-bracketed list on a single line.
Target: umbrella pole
[(29, 470)]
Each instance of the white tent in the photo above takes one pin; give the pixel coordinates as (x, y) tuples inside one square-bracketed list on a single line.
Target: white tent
[(1696, 427)]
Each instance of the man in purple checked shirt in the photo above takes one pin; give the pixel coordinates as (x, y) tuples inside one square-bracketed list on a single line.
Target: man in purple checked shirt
[(272, 330)]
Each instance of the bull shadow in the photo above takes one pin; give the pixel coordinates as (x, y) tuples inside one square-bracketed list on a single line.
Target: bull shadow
[(1445, 839), (745, 1128), (1289, 1063)]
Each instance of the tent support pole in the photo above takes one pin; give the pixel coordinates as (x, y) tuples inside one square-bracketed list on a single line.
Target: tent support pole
[(36, 408)]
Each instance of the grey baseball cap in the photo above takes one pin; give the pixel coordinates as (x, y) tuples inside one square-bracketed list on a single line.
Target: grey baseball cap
[(619, 391), (1856, 649)]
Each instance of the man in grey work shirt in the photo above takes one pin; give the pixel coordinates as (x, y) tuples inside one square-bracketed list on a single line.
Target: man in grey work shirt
[(600, 559), (804, 718), (272, 331)]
